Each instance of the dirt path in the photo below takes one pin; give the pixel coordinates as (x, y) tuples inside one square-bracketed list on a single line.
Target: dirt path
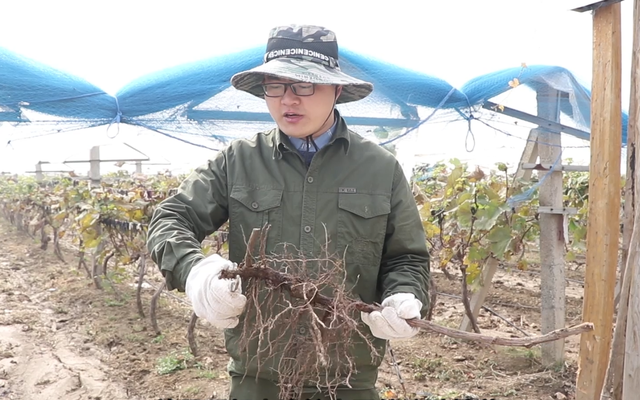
[(42, 356), (61, 338)]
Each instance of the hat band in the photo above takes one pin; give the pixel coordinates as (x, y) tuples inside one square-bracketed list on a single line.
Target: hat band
[(278, 48)]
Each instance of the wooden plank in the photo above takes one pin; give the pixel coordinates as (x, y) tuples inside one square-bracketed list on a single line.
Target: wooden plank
[(529, 156), (478, 297), (631, 181), (552, 246), (631, 372), (630, 251), (613, 389), (603, 230), (548, 167), (629, 346)]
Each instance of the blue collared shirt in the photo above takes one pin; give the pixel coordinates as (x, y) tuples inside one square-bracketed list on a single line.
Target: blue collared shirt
[(321, 141)]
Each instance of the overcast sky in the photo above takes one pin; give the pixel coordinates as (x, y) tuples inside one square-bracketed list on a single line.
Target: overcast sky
[(112, 42)]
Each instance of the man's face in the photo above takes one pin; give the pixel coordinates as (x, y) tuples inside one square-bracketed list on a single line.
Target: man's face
[(301, 116)]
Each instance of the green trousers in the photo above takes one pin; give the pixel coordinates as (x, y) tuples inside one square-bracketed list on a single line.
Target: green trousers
[(251, 389)]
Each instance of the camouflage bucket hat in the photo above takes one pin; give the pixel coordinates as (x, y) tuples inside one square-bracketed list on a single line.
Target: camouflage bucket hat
[(302, 53)]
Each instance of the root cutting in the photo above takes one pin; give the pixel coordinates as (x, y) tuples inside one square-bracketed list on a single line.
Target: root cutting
[(301, 320)]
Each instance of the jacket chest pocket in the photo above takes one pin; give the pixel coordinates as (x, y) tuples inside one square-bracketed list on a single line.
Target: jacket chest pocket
[(362, 227), (363, 216), (252, 208)]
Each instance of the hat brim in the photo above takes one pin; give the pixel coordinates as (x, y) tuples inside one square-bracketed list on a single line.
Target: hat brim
[(304, 71)]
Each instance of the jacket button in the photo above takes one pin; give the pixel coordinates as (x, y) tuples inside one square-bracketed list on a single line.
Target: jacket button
[(310, 179), (254, 205), (307, 229)]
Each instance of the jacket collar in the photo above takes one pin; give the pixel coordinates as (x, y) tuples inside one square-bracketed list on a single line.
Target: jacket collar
[(282, 144)]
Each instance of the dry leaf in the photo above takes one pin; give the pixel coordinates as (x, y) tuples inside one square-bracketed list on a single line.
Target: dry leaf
[(477, 175), (389, 394)]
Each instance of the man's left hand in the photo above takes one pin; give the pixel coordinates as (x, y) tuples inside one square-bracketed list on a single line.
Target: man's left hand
[(390, 322)]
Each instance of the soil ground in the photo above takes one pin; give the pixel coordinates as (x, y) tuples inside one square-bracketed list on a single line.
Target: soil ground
[(62, 338)]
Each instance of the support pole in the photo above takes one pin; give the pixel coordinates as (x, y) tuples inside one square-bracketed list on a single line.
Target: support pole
[(94, 162), (529, 156), (630, 254), (603, 226), (39, 174), (478, 297), (631, 383), (629, 188), (552, 274)]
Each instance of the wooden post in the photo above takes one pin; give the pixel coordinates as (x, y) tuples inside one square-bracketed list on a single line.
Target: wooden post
[(631, 373), (603, 226), (529, 155), (613, 389), (630, 257), (552, 243), (629, 209), (94, 162), (139, 167), (631, 383), (477, 299), (631, 181)]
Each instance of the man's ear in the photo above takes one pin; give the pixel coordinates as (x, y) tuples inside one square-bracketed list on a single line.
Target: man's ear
[(338, 91)]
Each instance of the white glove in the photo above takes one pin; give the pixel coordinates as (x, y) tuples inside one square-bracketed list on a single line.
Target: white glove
[(219, 301), (390, 322)]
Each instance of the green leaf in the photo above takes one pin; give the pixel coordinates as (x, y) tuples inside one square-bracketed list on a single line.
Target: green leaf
[(88, 220), (477, 253), (430, 229), (59, 217), (579, 233), (492, 194), (463, 214), (573, 226), (524, 211), (473, 272), (488, 215), (499, 238), (464, 197), (92, 243), (452, 179)]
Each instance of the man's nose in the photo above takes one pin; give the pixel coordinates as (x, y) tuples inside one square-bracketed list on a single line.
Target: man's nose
[(289, 97)]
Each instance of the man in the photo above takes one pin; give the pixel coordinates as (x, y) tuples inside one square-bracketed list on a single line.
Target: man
[(310, 178)]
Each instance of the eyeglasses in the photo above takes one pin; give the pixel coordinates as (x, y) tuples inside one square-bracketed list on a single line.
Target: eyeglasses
[(279, 89)]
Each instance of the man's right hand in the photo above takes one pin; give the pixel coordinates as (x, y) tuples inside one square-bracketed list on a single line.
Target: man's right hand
[(219, 301)]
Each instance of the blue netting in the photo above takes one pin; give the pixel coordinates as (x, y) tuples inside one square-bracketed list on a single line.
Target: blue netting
[(190, 84), (29, 85), (196, 103)]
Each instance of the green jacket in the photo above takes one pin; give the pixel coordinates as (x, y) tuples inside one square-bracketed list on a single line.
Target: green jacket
[(354, 193)]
